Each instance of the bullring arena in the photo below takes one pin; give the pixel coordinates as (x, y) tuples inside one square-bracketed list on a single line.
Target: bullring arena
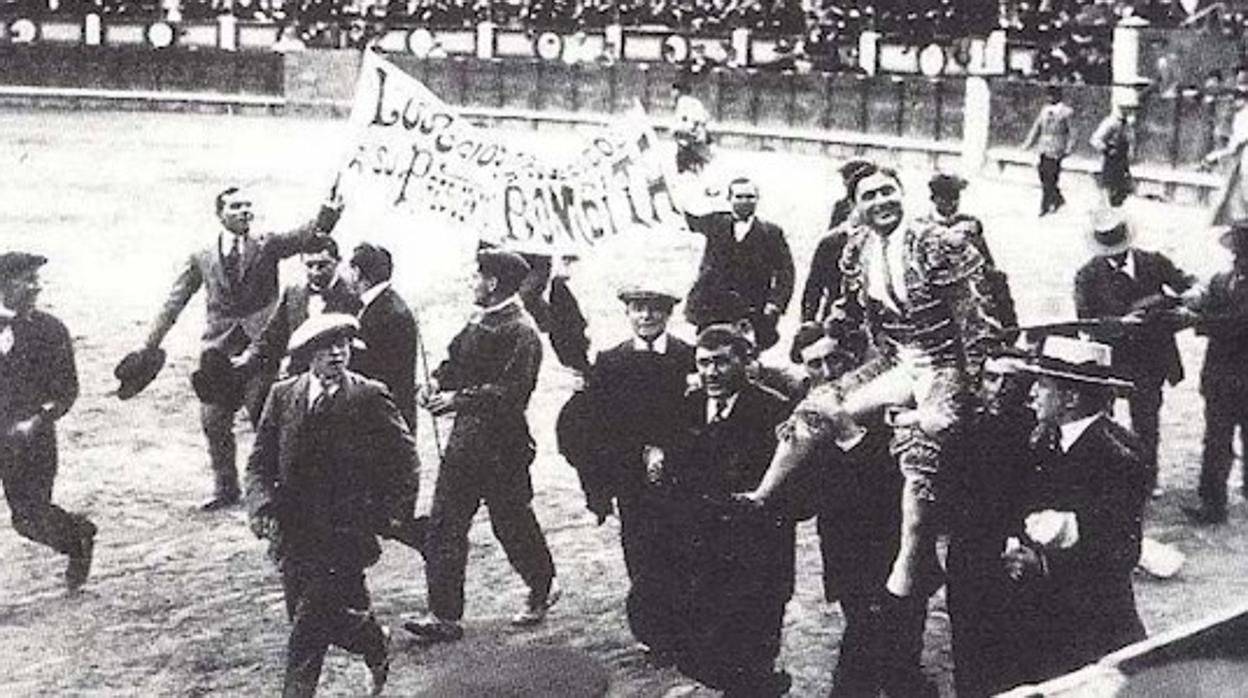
[(185, 603)]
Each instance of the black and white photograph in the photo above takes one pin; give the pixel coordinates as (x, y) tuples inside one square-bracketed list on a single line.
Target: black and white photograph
[(624, 348)]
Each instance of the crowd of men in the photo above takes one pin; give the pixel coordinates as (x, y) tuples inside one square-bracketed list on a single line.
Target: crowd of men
[(918, 409)]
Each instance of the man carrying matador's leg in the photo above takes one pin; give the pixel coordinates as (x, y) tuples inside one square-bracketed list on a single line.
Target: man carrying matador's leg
[(918, 292)]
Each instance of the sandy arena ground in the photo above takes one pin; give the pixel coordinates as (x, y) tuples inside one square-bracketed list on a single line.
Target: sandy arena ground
[(182, 603)]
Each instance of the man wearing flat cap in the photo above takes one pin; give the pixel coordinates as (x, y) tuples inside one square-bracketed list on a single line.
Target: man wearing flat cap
[(635, 390), (1078, 532), (1222, 316), (40, 385), (239, 275), (1123, 282), (333, 465), (486, 382)]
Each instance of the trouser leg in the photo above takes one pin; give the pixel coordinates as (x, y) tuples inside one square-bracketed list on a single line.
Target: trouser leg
[(1145, 408), (657, 603), (455, 501), (327, 607), (29, 472), (218, 426), (1047, 169), (516, 528), (1215, 465)]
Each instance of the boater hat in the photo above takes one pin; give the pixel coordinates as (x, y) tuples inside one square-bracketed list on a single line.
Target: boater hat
[(1076, 360), (320, 331), (1109, 232)]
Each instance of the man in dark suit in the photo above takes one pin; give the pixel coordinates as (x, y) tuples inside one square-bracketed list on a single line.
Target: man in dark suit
[(1080, 526), (333, 464), (321, 291), (1124, 282), (387, 327), (823, 282), (635, 390), (238, 273), (1223, 318), (486, 381), (741, 562), (40, 384), (746, 255)]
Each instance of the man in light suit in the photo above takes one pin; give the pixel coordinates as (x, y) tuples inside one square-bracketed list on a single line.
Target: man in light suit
[(745, 255), (1123, 281), (387, 327), (238, 273), (1054, 135), (333, 464)]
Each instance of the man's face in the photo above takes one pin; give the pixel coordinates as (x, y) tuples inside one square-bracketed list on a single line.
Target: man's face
[(235, 213), (320, 267), (648, 317), (722, 371), (947, 204), (826, 366), (744, 199), (330, 362), (879, 201), (21, 291), (1047, 401), (483, 287), (1002, 391)]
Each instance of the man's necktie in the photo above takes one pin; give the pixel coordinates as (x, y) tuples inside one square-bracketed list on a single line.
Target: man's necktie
[(233, 260), (649, 345), (323, 400), (719, 411), (888, 272)]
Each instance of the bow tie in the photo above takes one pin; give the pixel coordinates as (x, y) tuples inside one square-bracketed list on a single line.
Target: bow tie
[(1118, 262)]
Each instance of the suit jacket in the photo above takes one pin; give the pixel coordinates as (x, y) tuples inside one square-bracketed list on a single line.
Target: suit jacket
[(236, 311), (1147, 354), (759, 268), (1224, 320), (292, 311), (823, 282), (388, 329), (38, 370), (635, 396), (1053, 131), (710, 462), (1084, 607), (331, 481)]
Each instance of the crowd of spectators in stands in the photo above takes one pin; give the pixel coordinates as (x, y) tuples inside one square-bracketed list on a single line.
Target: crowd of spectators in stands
[(1072, 37)]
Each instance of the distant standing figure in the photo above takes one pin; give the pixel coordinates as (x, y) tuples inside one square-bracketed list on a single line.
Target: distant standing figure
[(1054, 135), (40, 384), (1114, 139), (1233, 205)]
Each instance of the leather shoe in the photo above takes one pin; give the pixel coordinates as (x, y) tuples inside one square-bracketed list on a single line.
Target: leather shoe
[(536, 606), (431, 628), (79, 567), (219, 502), (1205, 516)]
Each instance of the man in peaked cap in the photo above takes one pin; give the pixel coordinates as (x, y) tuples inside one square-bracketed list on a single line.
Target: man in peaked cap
[(1224, 377), (635, 390), (238, 272), (333, 465), (40, 385), (1123, 281), (946, 195), (486, 382), (1081, 520)]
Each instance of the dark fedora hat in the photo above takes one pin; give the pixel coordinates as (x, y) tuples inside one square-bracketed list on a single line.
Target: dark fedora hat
[(137, 369), (216, 381)]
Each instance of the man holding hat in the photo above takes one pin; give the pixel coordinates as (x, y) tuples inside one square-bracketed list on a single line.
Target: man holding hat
[(239, 275), (333, 465), (1078, 534), (1124, 283), (1223, 318), (486, 382), (635, 391), (40, 385)]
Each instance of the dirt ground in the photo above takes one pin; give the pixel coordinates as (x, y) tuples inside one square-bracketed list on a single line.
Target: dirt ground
[(182, 603)]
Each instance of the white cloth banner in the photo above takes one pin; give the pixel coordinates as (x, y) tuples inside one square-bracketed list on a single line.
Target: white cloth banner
[(418, 157)]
